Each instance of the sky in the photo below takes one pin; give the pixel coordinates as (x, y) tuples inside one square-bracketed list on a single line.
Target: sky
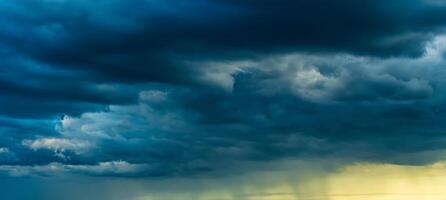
[(222, 99)]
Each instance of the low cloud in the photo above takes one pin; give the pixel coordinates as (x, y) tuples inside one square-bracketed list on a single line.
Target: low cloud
[(112, 168), (296, 106), (59, 146)]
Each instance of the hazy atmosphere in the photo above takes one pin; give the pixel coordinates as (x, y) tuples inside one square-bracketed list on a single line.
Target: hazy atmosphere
[(223, 99)]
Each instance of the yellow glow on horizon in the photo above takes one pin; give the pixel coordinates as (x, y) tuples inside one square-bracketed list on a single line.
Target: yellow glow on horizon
[(389, 182), (356, 182)]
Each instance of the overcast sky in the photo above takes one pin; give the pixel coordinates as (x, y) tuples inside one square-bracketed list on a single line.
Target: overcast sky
[(157, 94)]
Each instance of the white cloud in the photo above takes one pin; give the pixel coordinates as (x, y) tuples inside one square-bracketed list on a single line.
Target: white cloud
[(59, 145), (221, 74), (312, 85), (124, 122), (100, 169), (4, 150), (337, 77), (113, 167), (67, 121)]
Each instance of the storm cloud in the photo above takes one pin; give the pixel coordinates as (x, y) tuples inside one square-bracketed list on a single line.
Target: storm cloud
[(149, 88)]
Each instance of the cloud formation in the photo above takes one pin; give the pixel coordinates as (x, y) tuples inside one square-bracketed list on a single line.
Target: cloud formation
[(180, 88)]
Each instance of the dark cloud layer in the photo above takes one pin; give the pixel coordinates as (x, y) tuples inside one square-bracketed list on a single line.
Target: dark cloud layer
[(152, 42), (168, 88)]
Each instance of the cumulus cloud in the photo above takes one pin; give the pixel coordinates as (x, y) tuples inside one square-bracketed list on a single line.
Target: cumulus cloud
[(59, 145), (145, 119), (312, 85), (343, 77)]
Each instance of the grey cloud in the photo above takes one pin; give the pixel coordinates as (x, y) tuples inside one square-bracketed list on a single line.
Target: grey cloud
[(165, 86), (115, 168), (340, 105)]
